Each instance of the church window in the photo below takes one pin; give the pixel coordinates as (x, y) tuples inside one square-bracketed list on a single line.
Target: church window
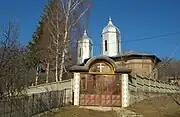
[(79, 52), (90, 50), (105, 45)]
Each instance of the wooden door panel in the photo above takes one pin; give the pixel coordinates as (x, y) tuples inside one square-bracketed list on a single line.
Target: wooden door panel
[(102, 90)]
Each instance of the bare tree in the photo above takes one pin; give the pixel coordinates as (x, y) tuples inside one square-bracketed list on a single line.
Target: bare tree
[(64, 20), (12, 61), (14, 68), (168, 68)]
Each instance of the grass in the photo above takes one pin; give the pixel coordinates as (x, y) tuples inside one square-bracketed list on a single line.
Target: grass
[(154, 107), (158, 107), (81, 112)]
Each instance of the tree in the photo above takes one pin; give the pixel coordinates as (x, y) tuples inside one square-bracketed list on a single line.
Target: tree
[(168, 68), (12, 61), (65, 20), (56, 35), (38, 49)]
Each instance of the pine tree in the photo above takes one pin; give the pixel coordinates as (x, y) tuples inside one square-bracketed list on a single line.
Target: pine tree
[(39, 48), (35, 50)]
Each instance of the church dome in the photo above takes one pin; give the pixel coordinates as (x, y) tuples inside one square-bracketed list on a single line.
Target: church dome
[(85, 37), (110, 28)]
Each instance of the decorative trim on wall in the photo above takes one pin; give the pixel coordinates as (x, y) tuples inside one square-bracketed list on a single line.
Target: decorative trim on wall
[(76, 88), (125, 91)]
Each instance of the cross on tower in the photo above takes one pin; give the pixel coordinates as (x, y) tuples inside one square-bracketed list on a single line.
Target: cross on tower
[(100, 66)]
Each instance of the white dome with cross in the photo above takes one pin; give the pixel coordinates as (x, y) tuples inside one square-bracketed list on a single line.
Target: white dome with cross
[(84, 48), (110, 27)]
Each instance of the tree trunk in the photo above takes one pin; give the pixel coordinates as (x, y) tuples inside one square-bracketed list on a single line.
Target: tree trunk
[(56, 67), (64, 52), (57, 57), (47, 72), (37, 75), (62, 66), (65, 40)]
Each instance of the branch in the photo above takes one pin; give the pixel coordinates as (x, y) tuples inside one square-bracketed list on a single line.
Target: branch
[(54, 50), (75, 5), (78, 18), (53, 38), (63, 7)]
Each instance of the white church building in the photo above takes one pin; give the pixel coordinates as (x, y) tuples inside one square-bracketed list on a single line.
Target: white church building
[(103, 80), (111, 43)]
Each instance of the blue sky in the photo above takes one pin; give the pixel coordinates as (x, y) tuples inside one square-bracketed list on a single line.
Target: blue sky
[(136, 19)]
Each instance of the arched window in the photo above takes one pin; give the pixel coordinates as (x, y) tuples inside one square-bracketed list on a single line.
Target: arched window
[(105, 45), (79, 52), (118, 45)]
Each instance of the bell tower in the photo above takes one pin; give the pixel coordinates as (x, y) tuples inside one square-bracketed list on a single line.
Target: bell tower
[(84, 49), (111, 39)]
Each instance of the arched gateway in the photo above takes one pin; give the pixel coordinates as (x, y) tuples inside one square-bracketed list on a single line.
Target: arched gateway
[(99, 83)]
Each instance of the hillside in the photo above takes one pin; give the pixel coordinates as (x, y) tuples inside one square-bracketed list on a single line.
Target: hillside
[(164, 106), (158, 107)]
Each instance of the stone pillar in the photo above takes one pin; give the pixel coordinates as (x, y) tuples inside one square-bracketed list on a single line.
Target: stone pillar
[(125, 93), (76, 88), (125, 90)]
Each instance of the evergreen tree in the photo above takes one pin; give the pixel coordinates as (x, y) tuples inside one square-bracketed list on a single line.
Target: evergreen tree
[(39, 52)]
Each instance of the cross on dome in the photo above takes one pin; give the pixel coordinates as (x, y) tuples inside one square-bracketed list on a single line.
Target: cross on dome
[(109, 18), (85, 36), (85, 32), (110, 21)]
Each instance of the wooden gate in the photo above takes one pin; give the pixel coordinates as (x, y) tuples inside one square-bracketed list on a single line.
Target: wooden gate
[(100, 90)]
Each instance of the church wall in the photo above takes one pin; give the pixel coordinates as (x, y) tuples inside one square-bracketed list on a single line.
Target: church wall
[(141, 67), (112, 44)]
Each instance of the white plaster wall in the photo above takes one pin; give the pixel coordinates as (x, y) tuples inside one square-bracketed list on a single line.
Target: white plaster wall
[(50, 87), (67, 84), (86, 50), (112, 44)]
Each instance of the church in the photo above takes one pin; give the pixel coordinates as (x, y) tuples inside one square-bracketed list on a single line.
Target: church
[(98, 78), (140, 63)]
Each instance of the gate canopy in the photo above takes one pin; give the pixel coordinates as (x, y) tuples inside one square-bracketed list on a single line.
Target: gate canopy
[(107, 61)]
